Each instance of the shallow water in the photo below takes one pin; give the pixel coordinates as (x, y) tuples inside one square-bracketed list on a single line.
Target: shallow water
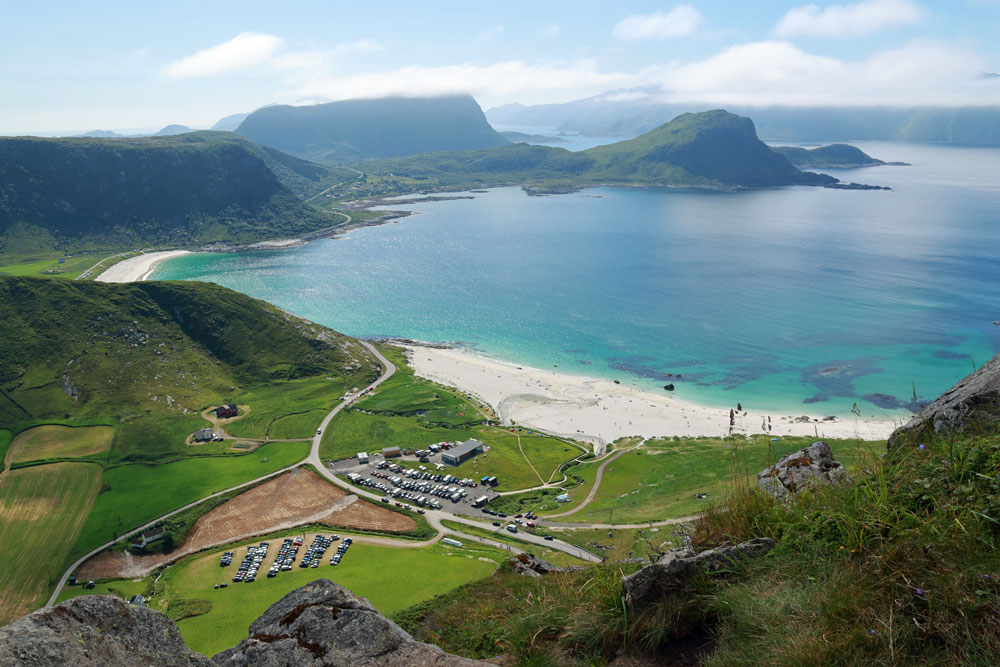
[(788, 299)]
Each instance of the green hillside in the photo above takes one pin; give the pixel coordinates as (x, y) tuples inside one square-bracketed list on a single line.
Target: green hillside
[(352, 130), (832, 156), (714, 149), (156, 353), (184, 189)]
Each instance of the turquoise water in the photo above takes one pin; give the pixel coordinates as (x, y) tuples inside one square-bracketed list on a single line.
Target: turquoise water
[(788, 299)]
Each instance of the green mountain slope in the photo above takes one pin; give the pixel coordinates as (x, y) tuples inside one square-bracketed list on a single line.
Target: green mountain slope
[(88, 348), (714, 148), (832, 156), (190, 188), (353, 130)]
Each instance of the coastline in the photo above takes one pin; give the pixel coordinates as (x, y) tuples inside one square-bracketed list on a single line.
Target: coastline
[(600, 411), (136, 269)]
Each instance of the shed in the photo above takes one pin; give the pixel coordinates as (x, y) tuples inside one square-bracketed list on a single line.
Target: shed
[(562, 498), (391, 452)]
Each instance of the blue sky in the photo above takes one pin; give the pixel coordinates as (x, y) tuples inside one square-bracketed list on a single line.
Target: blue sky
[(117, 65)]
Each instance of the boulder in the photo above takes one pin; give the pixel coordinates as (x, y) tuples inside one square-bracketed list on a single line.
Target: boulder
[(531, 565), (323, 623), (98, 630), (807, 468), (971, 406), (676, 566)]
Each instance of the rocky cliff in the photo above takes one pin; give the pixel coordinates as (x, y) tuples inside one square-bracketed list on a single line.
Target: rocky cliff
[(972, 406), (321, 623)]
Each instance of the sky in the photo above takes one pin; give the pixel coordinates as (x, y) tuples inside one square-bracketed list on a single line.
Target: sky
[(72, 66)]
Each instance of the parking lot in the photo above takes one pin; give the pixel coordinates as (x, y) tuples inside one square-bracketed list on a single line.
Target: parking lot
[(427, 485), (284, 559)]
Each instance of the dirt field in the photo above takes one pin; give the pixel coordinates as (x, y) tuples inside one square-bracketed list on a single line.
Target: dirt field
[(42, 509), (51, 441), (296, 498)]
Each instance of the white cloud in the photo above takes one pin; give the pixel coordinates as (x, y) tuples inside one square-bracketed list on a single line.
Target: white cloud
[(679, 21), (490, 84), (241, 52), (862, 18), (552, 30), (766, 73), (141, 52)]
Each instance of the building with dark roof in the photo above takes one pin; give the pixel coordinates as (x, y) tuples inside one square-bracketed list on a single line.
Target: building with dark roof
[(463, 452)]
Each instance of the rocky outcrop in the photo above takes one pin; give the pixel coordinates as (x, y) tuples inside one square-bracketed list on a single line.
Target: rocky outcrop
[(98, 630), (320, 623), (971, 406), (678, 565), (807, 468), (323, 623), (531, 565)]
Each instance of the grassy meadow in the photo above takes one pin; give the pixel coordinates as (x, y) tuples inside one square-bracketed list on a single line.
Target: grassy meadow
[(660, 479), (52, 441), (42, 510)]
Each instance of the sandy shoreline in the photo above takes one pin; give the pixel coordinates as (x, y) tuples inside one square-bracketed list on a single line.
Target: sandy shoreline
[(137, 268), (601, 411)]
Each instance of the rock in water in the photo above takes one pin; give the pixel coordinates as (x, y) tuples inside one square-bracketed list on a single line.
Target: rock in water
[(323, 623), (971, 406), (674, 567), (98, 630), (807, 468)]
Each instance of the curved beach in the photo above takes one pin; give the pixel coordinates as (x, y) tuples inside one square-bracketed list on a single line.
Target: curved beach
[(602, 411), (137, 268)]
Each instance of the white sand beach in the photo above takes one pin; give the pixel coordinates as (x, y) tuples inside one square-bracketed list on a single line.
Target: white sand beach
[(601, 411), (136, 268)]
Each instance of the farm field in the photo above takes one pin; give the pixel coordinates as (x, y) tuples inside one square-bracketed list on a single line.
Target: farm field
[(660, 479), (298, 497), (134, 494), (54, 441), (42, 509), (49, 265)]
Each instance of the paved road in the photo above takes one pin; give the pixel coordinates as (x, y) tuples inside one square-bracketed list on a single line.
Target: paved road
[(593, 490), (337, 185)]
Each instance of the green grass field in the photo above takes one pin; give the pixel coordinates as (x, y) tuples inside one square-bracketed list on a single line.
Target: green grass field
[(6, 437), (42, 509), (135, 494), (48, 265), (660, 480), (53, 441), (154, 436), (290, 409)]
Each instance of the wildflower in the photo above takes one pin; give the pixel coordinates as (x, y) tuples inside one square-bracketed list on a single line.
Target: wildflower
[(921, 447), (920, 592), (871, 631)]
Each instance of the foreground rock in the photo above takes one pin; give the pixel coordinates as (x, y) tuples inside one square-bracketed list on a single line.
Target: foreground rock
[(323, 623), (807, 468), (98, 630), (531, 565), (971, 407), (676, 566)]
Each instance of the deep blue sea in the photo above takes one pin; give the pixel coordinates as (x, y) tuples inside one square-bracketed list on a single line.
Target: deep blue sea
[(799, 299)]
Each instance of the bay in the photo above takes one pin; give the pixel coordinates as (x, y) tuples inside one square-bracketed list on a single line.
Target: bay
[(787, 299)]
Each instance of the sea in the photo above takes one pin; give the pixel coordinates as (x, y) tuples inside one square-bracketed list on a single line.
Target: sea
[(797, 300)]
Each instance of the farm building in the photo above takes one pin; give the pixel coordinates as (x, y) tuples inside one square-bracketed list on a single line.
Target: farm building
[(391, 452), (146, 537), (463, 452), (203, 435), (226, 411)]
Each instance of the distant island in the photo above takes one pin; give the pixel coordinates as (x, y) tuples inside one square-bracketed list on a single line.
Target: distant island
[(833, 156)]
